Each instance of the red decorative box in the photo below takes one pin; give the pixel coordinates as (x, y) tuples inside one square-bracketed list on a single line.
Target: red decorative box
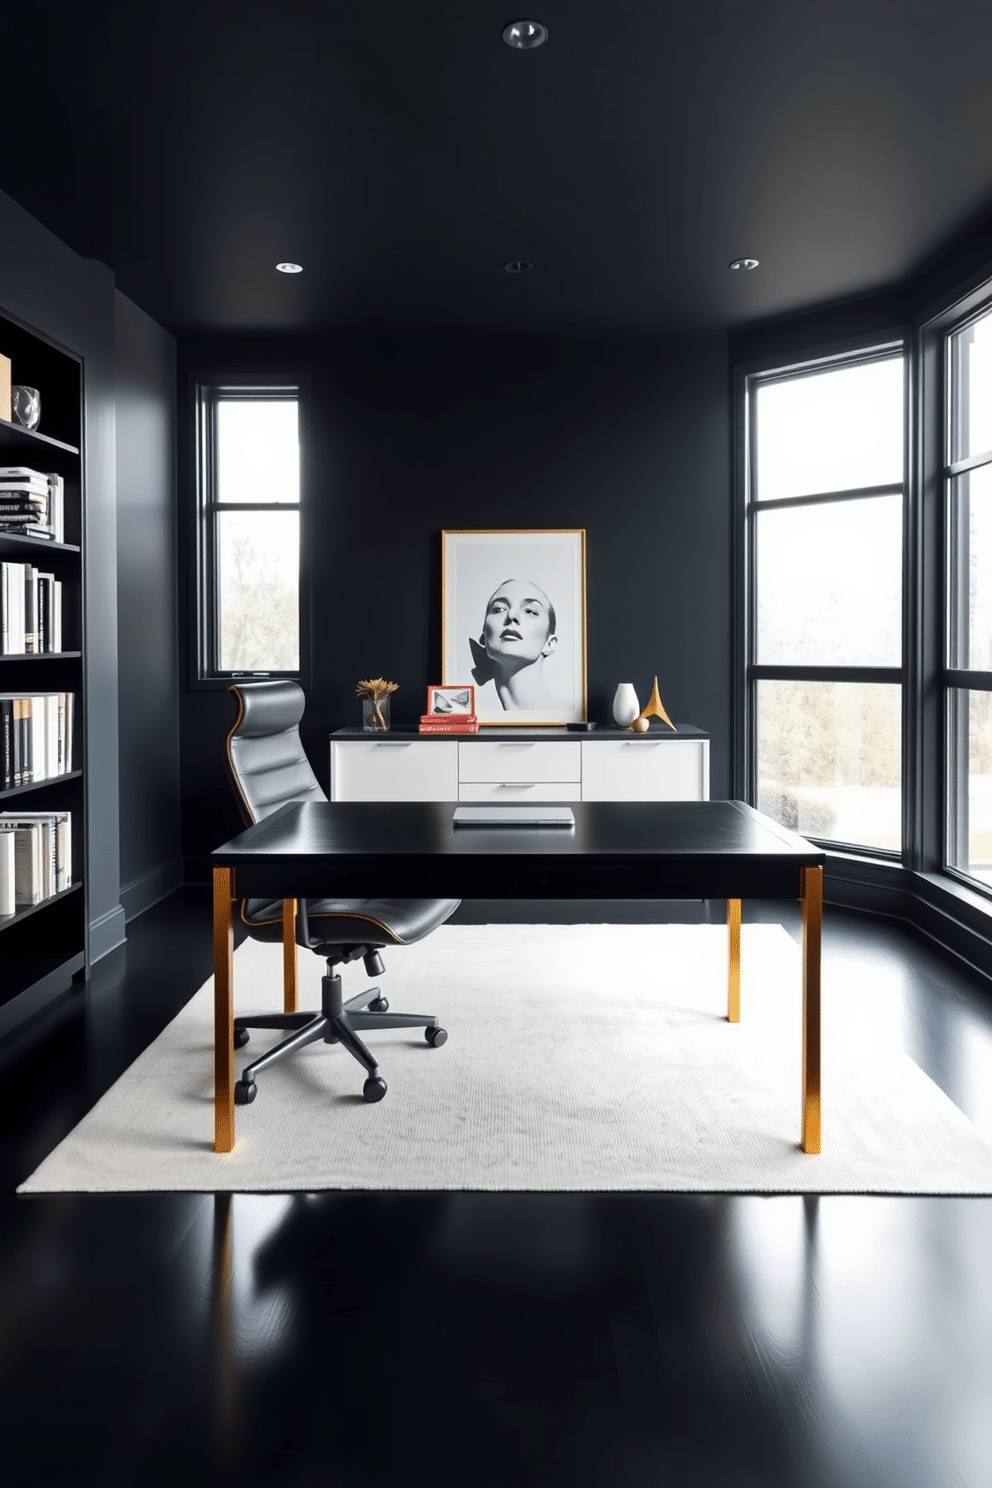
[(452, 723)]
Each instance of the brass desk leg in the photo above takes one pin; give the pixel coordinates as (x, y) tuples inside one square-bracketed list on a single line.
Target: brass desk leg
[(223, 1010), (289, 990), (812, 898), (734, 947)]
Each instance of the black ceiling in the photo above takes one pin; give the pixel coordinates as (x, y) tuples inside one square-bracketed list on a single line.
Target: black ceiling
[(402, 153)]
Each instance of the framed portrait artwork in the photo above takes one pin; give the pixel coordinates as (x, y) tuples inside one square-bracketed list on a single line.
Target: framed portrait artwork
[(455, 701), (513, 618)]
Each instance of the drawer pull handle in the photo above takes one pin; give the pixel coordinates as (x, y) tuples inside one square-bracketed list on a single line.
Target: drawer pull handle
[(394, 744), (518, 784)]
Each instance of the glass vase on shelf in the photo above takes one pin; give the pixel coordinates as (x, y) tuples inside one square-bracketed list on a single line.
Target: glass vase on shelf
[(25, 404), (375, 715)]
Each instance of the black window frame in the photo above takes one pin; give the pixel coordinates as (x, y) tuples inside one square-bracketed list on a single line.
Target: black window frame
[(205, 669), (955, 681), (748, 671)]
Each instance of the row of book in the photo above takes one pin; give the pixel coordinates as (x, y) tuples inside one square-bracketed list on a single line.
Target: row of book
[(30, 610), (35, 857), (450, 723), (32, 504), (35, 736)]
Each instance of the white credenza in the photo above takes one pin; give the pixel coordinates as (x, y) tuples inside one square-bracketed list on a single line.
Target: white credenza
[(521, 765)]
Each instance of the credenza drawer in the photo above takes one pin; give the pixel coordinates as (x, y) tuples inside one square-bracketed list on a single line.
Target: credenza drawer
[(645, 770), (394, 770), (512, 792), (521, 760)]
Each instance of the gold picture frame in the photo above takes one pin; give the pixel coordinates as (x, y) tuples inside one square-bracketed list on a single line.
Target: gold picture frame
[(529, 670)]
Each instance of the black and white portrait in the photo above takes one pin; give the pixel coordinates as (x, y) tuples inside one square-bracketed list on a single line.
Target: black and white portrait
[(513, 619)]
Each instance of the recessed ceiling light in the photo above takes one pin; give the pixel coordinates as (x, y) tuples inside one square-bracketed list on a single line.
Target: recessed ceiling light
[(518, 266), (523, 36), (744, 263), (290, 268)]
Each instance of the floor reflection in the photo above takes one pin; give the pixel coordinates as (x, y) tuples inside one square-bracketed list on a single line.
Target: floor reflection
[(563, 1338)]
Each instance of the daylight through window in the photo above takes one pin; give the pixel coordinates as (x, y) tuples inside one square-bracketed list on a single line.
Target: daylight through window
[(825, 530), (250, 581)]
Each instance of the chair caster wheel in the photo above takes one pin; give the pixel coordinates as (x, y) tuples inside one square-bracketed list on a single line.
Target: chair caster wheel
[(245, 1092), (379, 1005), (436, 1037), (374, 1089), (241, 1037)]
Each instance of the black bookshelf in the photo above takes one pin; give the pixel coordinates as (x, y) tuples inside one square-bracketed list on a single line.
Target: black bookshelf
[(45, 945)]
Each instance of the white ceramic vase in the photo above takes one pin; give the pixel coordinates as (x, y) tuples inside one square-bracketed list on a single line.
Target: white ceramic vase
[(625, 705)]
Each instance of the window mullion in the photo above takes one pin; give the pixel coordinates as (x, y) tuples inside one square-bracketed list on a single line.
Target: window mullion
[(820, 498), (967, 618)]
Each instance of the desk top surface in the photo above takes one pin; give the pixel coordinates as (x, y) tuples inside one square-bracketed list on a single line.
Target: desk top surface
[(358, 832)]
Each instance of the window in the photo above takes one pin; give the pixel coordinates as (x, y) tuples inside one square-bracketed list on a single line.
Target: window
[(968, 672), (825, 505), (249, 591)]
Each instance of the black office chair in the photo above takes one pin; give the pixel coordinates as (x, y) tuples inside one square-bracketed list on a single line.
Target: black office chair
[(268, 768)]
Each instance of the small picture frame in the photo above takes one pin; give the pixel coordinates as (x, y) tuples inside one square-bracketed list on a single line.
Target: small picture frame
[(453, 700)]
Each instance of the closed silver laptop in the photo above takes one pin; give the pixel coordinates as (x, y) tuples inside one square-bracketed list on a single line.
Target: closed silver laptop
[(514, 816)]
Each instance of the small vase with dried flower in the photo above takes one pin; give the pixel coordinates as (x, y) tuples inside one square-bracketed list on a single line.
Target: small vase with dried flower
[(375, 693)]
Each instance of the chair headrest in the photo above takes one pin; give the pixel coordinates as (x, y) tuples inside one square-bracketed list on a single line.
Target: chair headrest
[(267, 708)]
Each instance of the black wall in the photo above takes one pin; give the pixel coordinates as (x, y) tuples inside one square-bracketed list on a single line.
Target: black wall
[(147, 608), (404, 437)]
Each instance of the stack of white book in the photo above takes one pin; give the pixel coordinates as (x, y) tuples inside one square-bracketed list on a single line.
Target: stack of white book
[(30, 610), (32, 504), (35, 736), (35, 857)]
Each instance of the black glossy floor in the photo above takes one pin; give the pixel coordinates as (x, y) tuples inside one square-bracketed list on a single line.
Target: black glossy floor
[(346, 1340)]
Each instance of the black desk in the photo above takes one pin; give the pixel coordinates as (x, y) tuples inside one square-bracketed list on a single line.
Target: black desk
[(616, 850)]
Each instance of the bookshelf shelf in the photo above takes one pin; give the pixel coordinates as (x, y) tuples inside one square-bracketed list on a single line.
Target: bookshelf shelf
[(36, 544), (16, 433), (37, 785), (25, 911), (44, 945), (42, 656)]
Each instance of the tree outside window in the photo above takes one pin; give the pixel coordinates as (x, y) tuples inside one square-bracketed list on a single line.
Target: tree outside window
[(250, 580)]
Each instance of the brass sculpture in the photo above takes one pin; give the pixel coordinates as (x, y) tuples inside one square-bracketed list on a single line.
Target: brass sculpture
[(654, 708)]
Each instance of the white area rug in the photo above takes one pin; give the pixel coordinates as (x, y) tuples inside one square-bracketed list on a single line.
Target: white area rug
[(583, 1057)]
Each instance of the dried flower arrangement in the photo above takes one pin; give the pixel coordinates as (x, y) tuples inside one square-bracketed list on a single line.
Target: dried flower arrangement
[(375, 690)]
